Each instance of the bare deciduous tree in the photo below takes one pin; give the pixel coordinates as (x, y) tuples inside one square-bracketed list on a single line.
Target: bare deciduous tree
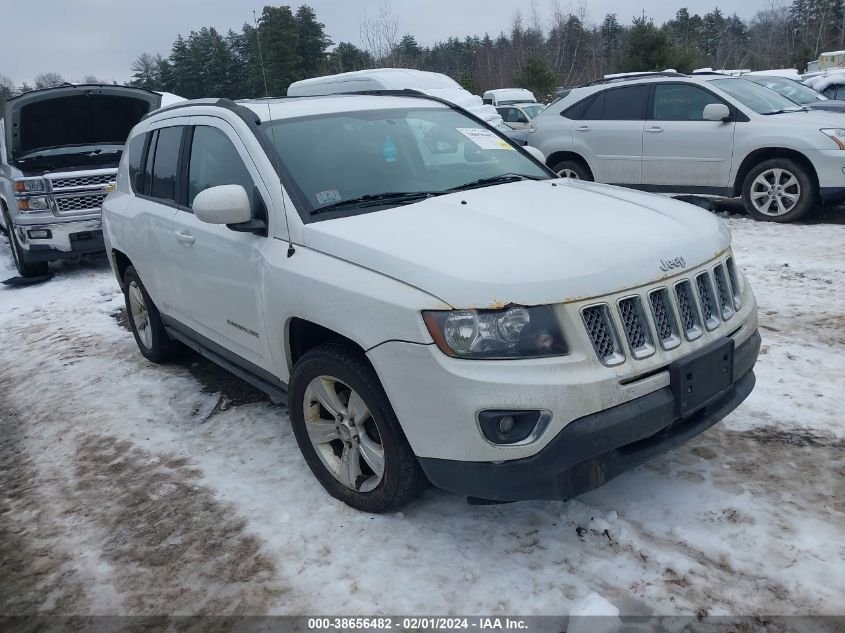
[(380, 34), (49, 80)]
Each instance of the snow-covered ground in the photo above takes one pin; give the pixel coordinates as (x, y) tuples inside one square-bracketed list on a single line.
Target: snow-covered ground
[(127, 487)]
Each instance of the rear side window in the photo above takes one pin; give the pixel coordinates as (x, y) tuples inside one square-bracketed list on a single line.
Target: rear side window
[(594, 110), (165, 163), (577, 110), (625, 104), (135, 154), (215, 161)]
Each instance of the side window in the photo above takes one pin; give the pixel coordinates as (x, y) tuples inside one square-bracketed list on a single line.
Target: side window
[(681, 102), (165, 163), (594, 110), (135, 153), (625, 104), (215, 161), (147, 177), (577, 110)]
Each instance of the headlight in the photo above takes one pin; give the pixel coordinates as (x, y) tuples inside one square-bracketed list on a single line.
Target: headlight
[(514, 332), (37, 203), (30, 185), (837, 135)]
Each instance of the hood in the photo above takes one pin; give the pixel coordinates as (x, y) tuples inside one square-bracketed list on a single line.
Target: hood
[(74, 115), (529, 242)]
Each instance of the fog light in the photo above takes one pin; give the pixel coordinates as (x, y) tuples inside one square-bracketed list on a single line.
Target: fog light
[(502, 426), (506, 424), (39, 234)]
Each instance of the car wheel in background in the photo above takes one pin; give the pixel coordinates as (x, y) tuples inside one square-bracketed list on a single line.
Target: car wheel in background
[(145, 320), (778, 190), (348, 432), (25, 269), (572, 169)]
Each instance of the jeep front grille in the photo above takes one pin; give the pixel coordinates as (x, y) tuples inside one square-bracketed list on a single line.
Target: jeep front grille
[(672, 314), (724, 292), (73, 182), (87, 203), (602, 334), (707, 301), (664, 318), (732, 275), (635, 326)]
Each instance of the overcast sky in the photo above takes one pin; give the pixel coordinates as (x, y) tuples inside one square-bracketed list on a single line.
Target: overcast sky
[(103, 37)]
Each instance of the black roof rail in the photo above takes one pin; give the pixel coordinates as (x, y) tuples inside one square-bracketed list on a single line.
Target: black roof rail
[(631, 77)]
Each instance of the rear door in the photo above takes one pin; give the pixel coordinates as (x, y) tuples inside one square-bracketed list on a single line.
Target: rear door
[(679, 146), (610, 134), (217, 271)]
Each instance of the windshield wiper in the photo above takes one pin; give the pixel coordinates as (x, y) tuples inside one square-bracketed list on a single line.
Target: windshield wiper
[(372, 199), (494, 180), (784, 110)]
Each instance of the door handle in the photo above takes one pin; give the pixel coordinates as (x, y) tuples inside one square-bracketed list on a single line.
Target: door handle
[(582, 128), (654, 130), (185, 238)]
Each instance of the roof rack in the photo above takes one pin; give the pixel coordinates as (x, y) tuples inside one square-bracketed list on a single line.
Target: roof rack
[(631, 76)]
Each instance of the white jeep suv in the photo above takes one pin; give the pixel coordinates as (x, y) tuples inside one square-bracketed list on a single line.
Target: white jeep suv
[(712, 135), (431, 302)]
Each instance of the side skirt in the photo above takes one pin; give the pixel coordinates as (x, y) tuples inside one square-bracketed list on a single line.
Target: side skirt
[(243, 369)]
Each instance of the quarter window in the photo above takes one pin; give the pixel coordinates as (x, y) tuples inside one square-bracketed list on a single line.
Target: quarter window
[(215, 161), (165, 163), (678, 102), (135, 154)]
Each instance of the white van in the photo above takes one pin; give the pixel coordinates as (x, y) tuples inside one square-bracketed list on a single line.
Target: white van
[(433, 84), (508, 96)]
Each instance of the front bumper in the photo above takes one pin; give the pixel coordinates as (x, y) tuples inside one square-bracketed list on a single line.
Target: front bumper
[(594, 449), (66, 239)]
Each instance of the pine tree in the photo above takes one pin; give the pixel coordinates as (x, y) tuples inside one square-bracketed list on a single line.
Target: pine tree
[(277, 28), (313, 42)]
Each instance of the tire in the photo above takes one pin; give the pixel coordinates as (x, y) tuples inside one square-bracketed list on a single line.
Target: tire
[(342, 448), (25, 269), (572, 169), (778, 190), (145, 321)]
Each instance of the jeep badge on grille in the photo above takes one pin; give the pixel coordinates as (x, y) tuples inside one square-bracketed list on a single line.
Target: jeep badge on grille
[(669, 264)]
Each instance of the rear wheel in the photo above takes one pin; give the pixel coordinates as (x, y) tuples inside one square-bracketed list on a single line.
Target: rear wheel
[(25, 269), (145, 320), (572, 169), (778, 190), (348, 433)]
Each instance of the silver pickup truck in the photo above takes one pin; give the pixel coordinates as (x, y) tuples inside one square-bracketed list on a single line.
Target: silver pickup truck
[(59, 151)]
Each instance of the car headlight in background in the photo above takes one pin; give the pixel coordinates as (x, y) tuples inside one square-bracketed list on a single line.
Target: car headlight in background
[(837, 135), (512, 332), (30, 185), (35, 203)]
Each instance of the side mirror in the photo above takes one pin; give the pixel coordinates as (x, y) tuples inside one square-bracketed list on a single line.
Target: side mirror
[(716, 112), (224, 204), (536, 153)]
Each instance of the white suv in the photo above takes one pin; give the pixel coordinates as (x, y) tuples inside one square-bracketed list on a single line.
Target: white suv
[(715, 135), (430, 300)]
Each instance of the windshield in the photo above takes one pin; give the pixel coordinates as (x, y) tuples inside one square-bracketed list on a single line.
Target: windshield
[(756, 97), (794, 90), (533, 110), (336, 159)]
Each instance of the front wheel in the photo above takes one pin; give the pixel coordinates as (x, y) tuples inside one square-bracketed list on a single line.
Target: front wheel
[(778, 190), (572, 169), (348, 433)]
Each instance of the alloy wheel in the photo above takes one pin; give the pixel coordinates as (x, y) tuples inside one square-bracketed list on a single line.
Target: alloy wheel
[(139, 315), (343, 433), (568, 173), (775, 192)]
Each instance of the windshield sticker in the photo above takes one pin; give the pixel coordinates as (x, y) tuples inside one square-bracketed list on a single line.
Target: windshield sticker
[(485, 139), (326, 197)]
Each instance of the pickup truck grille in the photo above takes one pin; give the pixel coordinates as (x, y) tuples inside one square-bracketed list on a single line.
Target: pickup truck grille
[(58, 184), (77, 204), (676, 312)]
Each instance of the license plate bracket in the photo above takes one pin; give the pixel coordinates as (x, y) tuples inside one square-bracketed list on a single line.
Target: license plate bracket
[(700, 378)]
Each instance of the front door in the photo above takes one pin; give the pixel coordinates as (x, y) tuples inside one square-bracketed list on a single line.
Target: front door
[(680, 147), (610, 134), (218, 270)]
